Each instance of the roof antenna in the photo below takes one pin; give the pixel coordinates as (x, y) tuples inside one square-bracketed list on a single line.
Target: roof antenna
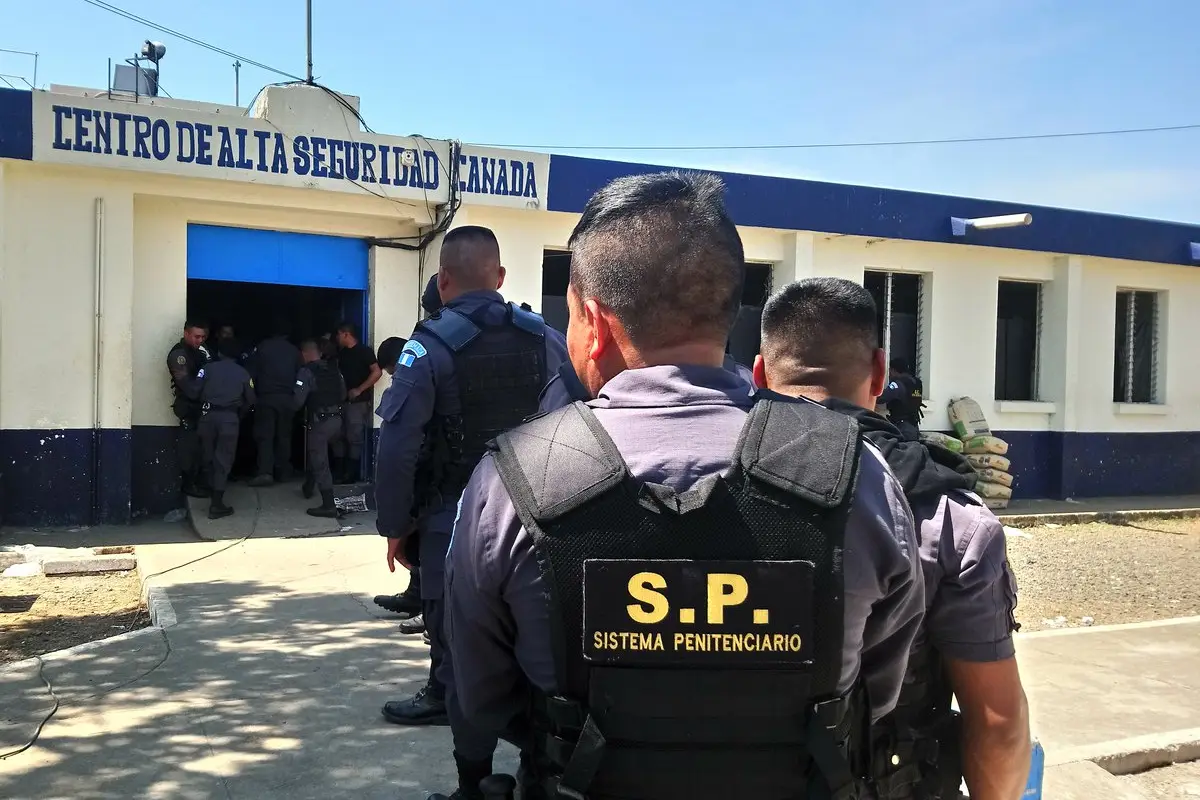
[(308, 76)]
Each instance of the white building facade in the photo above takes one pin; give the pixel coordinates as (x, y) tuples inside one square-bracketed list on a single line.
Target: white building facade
[(118, 220)]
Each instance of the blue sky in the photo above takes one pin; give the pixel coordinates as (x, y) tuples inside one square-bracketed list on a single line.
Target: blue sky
[(703, 72)]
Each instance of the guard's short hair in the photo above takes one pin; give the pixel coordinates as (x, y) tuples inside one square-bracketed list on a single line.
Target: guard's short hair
[(472, 255), (661, 251), (310, 344), (900, 364), (389, 351), (350, 328), (195, 323), (431, 299), (228, 348), (820, 332)]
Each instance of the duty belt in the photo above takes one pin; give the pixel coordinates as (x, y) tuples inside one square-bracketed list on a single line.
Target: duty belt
[(327, 411), (207, 407)]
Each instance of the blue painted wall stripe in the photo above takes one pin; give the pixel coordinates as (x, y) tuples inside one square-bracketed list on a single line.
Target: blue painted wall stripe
[(794, 204), (250, 255), (16, 124)]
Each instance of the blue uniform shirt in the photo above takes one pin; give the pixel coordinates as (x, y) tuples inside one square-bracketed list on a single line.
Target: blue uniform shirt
[(424, 385), (675, 426)]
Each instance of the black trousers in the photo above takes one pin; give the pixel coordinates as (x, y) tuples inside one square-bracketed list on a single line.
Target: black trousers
[(321, 431), (273, 416), (219, 438), (187, 449), (470, 742)]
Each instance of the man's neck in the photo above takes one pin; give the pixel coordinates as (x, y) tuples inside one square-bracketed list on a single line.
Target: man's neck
[(818, 393), (694, 354)]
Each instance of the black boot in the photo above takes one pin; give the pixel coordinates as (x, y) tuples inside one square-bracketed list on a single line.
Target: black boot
[(193, 489), (217, 508), (403, 603), (327, 508), (423, 708), (470, 773), (413, 625)]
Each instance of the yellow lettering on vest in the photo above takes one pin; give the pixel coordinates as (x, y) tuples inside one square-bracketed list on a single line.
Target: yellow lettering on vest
[(641, 588), (679, 639), (751, 641), (779, 637), (794, 642), (724, 590)]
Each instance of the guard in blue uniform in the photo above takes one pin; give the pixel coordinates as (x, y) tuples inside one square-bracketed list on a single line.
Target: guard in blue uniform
[(321, 392), (468, 373), (226, 394), (678, 590), (184, 362), (818, 341), (273, 365)]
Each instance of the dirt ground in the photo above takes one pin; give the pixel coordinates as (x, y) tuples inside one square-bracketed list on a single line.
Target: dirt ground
[(39, 614), (1133, 572), (1177, 782)]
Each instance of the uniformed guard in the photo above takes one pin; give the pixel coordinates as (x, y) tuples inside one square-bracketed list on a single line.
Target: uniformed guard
[(818, 341), (468, 372), (904, 399), (321, 392), (184, 362), (273, 365), (431, 299), (226, 393), (678, 590), (360, 370)]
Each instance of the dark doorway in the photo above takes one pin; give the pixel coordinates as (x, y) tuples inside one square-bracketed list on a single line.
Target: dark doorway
[(744, 341), (250, 307), (556, 274)]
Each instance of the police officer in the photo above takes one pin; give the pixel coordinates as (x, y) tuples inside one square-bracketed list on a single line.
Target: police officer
[(431, 299), (273, 365), (321, 392), (360, 369), (818, 341), (678, 590), (226, 393), (903, 398), (184, 361), (408, 602), (226, 332), (470, 371)]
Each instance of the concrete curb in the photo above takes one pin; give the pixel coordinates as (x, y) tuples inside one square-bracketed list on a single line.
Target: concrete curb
[(93, 565), (162, 613), (1124, 626), (79, 649), (1080, 517), (1136, 754)]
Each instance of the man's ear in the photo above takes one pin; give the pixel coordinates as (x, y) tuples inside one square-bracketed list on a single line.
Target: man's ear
[(879, 372), (601, 330), (760, 372), (500, 282)]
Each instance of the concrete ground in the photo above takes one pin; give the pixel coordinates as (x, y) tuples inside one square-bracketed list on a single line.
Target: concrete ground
[(270, 683)]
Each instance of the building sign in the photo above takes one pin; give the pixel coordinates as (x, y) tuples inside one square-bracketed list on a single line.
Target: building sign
[(123, 135)]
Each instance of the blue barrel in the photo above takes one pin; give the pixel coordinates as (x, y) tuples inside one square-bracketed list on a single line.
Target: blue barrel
[(1037, 766)]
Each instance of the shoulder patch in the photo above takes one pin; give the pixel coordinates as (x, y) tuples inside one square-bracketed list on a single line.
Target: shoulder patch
[(411, 352), (893, 385), (200, 374), (181, 360)]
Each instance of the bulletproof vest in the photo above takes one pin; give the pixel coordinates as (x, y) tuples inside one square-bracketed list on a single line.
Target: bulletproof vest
[(697, 636), (917, 747), (910, 408), (329, 391), (501, 370)]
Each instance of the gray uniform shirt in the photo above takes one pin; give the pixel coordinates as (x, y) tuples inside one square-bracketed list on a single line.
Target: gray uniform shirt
[(225, 384), (673, 426), (970, 593)]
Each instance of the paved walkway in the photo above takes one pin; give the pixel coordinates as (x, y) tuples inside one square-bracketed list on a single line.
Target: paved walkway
[(270, 685), (1066, 511)]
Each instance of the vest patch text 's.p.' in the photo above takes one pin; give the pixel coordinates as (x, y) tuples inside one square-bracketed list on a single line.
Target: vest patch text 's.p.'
[(697, 613)]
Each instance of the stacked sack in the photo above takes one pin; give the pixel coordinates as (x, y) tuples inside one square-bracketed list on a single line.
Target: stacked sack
[(985, 452)]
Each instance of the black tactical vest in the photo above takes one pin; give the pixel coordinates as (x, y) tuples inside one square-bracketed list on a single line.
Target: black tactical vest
[(916, 747), (697, 636), (185, 407), (329, 391), (501, 370)]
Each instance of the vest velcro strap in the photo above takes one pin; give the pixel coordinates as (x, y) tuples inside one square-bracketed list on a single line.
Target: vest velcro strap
[(528, 321), (584, 762), (563, 713), (451, 328), (830, 724)]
